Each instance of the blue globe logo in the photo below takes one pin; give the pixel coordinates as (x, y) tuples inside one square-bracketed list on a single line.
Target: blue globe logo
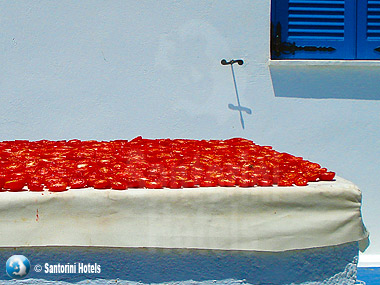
[(17, 266)]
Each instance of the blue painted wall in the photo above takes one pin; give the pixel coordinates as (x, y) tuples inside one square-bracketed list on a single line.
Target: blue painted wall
[(175, 266), (118, 69)]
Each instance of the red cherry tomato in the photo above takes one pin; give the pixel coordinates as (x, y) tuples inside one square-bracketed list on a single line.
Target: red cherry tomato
[(327, 176), (189, 183), (226, 182), (135, 182), (276, 178), (15, 185), (2, 181), (15, 167), (153, 184), (57, 186), (246, 182), (208, 183), (284, 182), (175, 184), (312, 176), (300, 181), (165, 180), (264, 182), (101, 184), (322, 170), (119, 185), (35, 185), (91, 178), (77, 183)]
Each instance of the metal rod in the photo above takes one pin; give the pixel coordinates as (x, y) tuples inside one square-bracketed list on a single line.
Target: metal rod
[(237, 97)]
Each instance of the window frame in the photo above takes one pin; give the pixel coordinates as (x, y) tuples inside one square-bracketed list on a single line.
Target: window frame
[(354, 46)]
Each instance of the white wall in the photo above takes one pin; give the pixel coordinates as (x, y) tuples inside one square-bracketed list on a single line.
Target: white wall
[(118, 69)]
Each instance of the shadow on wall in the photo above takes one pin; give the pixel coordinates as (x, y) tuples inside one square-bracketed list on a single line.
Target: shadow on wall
[(322, 81)]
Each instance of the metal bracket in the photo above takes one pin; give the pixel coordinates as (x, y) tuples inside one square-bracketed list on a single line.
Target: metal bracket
[(279, 47), (232, 61)]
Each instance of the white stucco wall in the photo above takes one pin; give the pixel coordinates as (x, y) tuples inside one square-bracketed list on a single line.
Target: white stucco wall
[(118, 69)]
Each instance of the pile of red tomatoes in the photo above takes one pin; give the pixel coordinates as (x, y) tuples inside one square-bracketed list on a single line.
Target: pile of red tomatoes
[(149, 163)]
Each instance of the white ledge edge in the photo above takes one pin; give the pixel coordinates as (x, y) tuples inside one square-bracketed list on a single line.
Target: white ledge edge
[(299, 62), (369, 260)]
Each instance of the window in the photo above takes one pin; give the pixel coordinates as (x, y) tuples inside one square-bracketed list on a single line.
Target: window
[(325, 29)]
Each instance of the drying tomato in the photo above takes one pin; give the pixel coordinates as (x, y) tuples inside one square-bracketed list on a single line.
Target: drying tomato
[(246, 182), (175, 184), (208, 183), (264, 182), (15, 184), (165, 180), (327, 176), (35, 184), (119, 185), (189, 183), (153, 184), (312, 176), (284, 182), (77, 183), (226, 182), (91, 178), (15, 167), (300, 181), (57, 185), (135, 183), (101, 184), (2, 180), (322, 170)]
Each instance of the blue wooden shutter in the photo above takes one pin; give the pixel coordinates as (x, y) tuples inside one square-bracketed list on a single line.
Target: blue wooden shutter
[(368, 29), (320, 23)]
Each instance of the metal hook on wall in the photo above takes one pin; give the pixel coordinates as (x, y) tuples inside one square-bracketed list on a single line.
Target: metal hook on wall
[(232, 61)]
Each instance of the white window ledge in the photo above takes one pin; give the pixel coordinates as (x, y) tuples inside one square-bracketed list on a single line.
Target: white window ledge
[(369, 260), (326, 79), (299, 62)]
